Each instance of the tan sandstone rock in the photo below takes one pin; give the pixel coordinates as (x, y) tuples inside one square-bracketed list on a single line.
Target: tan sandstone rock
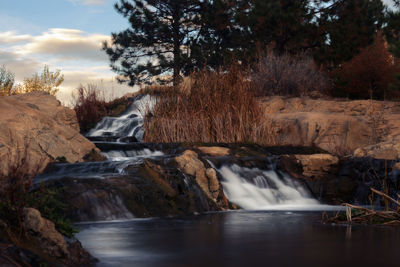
[(38, 125), (206, 178), (337, 126), (215, 151), (385, 150), (317, 165)]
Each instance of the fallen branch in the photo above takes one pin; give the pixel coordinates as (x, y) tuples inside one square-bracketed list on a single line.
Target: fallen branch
[(357, 214), (385, 196)]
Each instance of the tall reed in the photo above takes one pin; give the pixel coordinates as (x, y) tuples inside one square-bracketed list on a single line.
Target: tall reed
[(211, 106)]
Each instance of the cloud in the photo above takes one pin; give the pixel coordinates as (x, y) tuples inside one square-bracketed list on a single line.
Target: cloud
[(68, 44), (10, 37), (76, 53), (21, 66), (106, 83)]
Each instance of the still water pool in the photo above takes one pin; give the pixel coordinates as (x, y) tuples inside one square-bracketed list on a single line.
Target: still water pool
[(240, 238)]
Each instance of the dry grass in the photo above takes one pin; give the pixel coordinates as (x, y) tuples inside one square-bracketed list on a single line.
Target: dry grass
[(212, 107), (90, 106)]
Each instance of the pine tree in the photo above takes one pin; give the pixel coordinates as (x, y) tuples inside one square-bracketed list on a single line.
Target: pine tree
[(156, 45), (347, 26), (284, 25)]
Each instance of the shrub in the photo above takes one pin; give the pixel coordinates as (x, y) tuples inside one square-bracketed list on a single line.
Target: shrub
[(47, 81), (367, 75), (16, 194), (288, 75), (218, 107), (7, 80), (89, 106)]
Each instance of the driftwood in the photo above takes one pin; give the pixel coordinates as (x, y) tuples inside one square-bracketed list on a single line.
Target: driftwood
[(357, 214)]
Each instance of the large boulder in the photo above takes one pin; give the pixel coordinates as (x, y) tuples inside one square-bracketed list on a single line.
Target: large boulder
[(37, 127)]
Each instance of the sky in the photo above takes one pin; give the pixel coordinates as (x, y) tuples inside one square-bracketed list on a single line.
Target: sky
[(66, 35)]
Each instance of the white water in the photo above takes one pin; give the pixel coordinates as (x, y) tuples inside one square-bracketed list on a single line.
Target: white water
[(129, 124), (255, 189), (120, 155)]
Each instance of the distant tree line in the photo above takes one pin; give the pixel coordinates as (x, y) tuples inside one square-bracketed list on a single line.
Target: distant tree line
[(176, 37)]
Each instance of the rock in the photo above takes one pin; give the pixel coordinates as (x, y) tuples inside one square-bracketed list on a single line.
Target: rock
[(214, 151), (44, 234), (214, 185), (337, 126), (45, 240), (190, 164), (385, 150), (154, 188), (207, 179), (37, 126), (318, 165)]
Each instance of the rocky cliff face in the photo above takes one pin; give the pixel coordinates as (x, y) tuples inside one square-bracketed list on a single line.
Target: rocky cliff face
[(37, 126), (368, 128)]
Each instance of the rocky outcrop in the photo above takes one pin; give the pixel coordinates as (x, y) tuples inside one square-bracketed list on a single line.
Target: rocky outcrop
[(150, 189), (337, 126), (385, 150), (207, 179), (44, 240), (43, 233), (38, 127)]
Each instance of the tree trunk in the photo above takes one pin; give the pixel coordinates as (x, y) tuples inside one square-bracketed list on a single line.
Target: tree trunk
[(177, 44)]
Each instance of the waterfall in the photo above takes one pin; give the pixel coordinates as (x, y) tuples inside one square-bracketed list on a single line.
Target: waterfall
[(129, 124), (255, 189)]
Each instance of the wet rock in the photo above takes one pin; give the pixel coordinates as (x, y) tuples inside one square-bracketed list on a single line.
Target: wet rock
[(207, 179), (149, 189)]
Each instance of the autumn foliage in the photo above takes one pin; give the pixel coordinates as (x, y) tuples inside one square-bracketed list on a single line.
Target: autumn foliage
[(367, 75)]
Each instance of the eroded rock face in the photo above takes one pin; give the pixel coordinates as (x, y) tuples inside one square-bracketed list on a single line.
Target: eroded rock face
[(38, 124), (337, 126), (207, 179)]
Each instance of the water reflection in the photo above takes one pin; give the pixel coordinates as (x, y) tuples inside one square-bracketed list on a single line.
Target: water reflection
[(240, 239)]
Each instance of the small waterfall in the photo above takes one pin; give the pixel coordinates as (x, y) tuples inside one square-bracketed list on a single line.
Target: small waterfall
[(255, 189), (129, 124), (116, 163)]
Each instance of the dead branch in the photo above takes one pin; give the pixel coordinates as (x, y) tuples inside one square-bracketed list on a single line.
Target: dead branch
[(385, 196)]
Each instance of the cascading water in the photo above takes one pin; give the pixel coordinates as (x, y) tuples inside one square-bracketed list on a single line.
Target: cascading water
[(129, 124), (255, 189)]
